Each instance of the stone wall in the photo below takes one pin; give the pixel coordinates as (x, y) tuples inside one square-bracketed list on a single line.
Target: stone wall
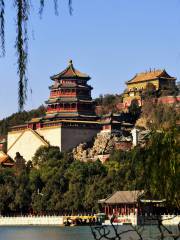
[(31, 220)]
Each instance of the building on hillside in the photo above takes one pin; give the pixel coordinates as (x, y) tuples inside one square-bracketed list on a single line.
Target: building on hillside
[(69, 120), (153, 79), (111, 122), (70, 96), (70, 117)]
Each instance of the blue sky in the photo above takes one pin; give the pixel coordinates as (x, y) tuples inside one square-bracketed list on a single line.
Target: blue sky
[(111, 40)]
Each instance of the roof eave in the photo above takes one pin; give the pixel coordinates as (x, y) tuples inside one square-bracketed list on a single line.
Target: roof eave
[(144, 80), (59, 77)]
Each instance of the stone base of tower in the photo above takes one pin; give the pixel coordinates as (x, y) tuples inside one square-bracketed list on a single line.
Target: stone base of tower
[(65, 134)]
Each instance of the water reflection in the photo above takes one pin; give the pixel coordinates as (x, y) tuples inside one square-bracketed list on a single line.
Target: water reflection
[(45, 233), (70, 233)]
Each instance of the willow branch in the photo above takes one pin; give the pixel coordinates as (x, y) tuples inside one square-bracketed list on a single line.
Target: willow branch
[(56, 7), (70, 7), (41, 7), (2, 23), (21, 46)]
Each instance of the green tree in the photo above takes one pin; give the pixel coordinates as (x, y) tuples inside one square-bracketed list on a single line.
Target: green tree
[(47, 156), (7, 190), (163, 166), (48, 180), (22, 198), (134, 110)]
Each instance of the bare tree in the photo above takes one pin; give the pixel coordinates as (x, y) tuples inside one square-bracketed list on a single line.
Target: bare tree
[(116, 232)]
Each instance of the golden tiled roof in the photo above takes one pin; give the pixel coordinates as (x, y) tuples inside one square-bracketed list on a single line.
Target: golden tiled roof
[(150, 75), (5, 159), (70, 72)]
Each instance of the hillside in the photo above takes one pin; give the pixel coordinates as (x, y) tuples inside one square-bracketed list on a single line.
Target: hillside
[(19, 118)]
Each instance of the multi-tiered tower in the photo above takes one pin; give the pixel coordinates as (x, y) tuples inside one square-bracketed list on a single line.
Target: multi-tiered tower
[(70, 96), (70, 117)]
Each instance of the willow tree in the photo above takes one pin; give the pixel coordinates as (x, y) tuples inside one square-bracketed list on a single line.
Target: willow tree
[(23, 9)]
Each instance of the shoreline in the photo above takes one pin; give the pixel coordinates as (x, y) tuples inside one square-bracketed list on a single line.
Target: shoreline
[(32, 221), (59, 221)]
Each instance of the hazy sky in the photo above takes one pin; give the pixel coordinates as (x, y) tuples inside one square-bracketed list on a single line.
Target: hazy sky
[(111, 40)]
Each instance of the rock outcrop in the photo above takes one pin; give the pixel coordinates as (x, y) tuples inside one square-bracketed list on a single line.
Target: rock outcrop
[(104, 144)]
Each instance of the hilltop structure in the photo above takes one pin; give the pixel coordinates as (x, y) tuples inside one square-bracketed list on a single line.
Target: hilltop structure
[(153, 80), (69, 120), (70, 96)]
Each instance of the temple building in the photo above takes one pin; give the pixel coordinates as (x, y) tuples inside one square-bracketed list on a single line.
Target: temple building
[(154, 79), (69, 120), (70, 96), (123, 206), (70, 117)]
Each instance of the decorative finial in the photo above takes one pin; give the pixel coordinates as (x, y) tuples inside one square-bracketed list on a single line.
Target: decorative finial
[(70, 62)]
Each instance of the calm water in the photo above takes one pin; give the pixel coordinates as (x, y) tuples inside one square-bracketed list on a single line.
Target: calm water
[(45, 233), (63, 233)]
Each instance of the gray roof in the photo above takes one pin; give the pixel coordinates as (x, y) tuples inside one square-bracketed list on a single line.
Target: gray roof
[(124, 197)]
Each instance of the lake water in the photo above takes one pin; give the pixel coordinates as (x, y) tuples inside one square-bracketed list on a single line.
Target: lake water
[(45, 233), (65, 233)]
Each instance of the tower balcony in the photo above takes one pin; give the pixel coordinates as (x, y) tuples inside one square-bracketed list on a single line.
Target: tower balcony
[(59, 94), (53, 110)]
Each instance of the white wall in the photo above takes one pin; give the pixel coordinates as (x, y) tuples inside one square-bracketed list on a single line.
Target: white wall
[(12, 137), (171, 219), (52, 135), (31, 220), (27, 145), (65, 138)]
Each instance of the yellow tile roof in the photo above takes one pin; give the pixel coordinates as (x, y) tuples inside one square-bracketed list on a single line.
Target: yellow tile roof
[(4, 158), (153, 74)]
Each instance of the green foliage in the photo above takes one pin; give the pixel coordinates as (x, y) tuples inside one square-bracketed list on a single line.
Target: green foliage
[(163, 166), (22, 198), (134, 110), (46, 155), (56, 183)]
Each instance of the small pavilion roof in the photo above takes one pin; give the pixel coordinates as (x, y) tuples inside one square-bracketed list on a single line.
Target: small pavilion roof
[(70, 72), (124, 197), (5, 159), (150, 75)]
